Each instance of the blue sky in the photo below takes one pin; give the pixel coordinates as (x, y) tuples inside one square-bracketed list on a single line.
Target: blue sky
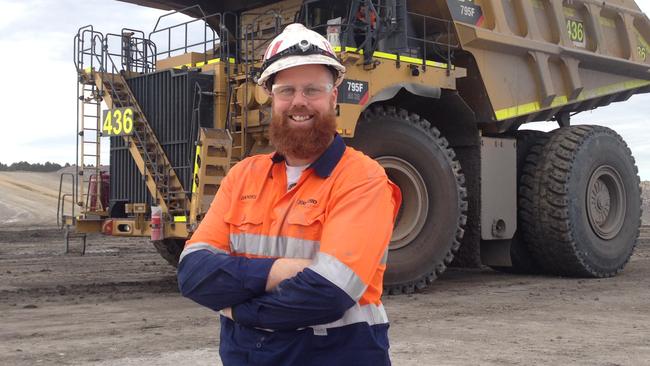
[(38, 84)]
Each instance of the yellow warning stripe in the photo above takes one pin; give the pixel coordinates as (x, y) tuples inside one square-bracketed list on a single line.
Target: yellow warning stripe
[(392, 56), (378, 54), (209, 62), (195, 174), (214, 61), (523, 109), (180, 218)]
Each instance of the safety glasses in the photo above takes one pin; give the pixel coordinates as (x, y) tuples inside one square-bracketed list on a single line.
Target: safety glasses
[(311, 92)]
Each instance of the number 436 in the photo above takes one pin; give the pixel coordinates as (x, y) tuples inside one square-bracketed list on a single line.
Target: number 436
[(118, 122)]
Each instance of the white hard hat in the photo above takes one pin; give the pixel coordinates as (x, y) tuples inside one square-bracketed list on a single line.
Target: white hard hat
[(296, 46)]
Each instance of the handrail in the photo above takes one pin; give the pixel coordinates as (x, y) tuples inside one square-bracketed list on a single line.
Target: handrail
[(79, 44), (448, 46), (250, 30), (385, 27), (60, 206), (175, 12), (145, 52), (210, 36)]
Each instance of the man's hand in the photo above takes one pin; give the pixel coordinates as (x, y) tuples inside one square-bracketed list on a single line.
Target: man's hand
[(284, 268), (227, 312)]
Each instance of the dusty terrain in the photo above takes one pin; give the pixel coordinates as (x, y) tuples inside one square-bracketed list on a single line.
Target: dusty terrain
[(119, 305)]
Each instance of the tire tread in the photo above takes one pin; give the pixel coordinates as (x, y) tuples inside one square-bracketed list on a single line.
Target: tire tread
[(413, 119), (547, 223)]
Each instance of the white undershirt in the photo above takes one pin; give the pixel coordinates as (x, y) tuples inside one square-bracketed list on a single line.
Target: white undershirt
[(293, 174)]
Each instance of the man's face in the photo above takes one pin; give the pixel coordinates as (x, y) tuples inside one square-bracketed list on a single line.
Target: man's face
[(304, 117)]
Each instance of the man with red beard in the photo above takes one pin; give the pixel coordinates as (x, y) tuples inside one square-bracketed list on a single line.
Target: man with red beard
[(293, 249)]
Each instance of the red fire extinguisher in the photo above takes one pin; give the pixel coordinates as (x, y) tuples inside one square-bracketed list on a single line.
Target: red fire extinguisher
[(156, 223)]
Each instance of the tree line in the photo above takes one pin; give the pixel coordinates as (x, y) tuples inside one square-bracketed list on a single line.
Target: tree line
[(35, 167)]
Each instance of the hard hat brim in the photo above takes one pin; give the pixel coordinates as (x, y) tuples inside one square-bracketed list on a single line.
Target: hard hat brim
[(299, 60)]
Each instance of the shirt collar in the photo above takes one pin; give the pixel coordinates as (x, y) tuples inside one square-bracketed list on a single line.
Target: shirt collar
[(328, 159)]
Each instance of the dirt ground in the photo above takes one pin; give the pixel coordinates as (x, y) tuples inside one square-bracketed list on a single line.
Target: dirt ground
[(119, 305)]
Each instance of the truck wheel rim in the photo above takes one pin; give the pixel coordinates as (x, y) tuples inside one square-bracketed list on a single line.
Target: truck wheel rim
[(415, 200), (606, 202)]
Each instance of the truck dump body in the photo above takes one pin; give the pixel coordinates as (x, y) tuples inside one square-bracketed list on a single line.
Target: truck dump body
[(540, 58), (527, 60)]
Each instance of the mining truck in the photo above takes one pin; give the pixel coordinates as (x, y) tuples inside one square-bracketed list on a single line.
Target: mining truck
[(439, 92)]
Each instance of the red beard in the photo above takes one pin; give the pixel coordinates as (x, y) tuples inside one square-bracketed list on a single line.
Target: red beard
[(302, 143)]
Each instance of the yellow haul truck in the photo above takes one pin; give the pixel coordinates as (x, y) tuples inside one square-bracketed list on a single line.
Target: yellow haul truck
[(437, 91)]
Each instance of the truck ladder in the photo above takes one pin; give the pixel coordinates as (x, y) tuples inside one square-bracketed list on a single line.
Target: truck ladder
[(149, 156), (211, 164), (237, 119), (88, 150)]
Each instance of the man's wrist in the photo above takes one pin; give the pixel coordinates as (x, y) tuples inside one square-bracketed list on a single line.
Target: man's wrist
[(232, 313), (227, 312)]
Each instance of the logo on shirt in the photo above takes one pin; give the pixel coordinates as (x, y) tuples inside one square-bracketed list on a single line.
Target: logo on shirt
[(310, 202), (246, 197)]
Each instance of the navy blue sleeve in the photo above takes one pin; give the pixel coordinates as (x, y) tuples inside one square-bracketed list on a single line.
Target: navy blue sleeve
[(218, 280), (304, 300)]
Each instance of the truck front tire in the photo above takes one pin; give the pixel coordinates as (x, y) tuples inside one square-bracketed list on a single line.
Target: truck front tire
[(429, 227)]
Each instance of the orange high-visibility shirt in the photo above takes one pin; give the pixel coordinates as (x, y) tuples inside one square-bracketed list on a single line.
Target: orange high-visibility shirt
[(340, 214)]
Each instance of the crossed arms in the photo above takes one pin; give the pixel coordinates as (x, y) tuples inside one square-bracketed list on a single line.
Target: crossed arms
[(290, 293)]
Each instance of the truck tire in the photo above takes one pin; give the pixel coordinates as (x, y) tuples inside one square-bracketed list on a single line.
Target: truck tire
[(170, 249), (430, 222), (586, 203), (529, 146)]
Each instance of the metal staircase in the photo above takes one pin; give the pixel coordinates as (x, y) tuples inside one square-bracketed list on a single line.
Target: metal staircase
[(149, 156), (102, 77)]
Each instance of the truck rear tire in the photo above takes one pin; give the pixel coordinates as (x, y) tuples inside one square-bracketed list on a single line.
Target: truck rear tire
[(429, 226), (170, 249), (529, 146), (586, 209)]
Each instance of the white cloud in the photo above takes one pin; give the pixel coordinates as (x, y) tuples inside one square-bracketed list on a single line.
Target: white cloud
[(12, 13), (38, 98)]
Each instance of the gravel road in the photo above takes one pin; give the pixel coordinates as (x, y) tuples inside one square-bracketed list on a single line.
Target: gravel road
[(119, 305)]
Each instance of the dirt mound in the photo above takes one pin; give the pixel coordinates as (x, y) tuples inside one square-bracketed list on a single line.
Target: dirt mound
[(30, 199)]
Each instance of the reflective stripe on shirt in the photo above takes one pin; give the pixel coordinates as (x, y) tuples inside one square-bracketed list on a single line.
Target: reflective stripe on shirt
[(273, 246), (200, 246), (339, 274), (369, 313)]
